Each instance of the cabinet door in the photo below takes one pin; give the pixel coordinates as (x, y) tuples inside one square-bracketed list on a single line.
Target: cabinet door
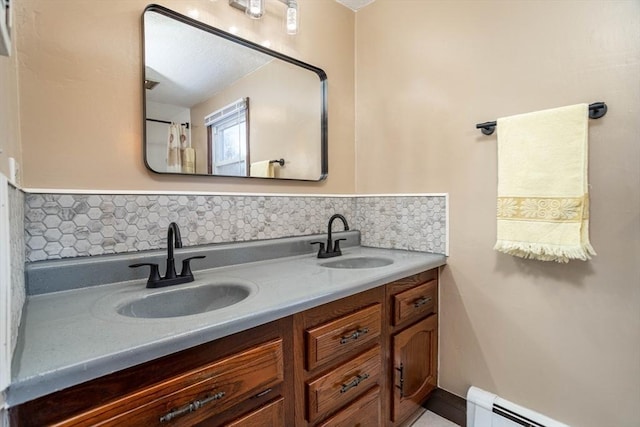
[(415, 354)]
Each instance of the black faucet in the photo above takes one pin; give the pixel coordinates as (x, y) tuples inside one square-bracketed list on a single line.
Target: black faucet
[(332, 248), (174, 240)]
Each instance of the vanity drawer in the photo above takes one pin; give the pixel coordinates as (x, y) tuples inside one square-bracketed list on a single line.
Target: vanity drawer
[(364, 412), (341, 385), (269, 415), (340, 336), (195, 395), (414, 302)]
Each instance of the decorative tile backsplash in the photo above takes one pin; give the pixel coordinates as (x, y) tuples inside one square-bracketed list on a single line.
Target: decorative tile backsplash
[(70, 225), (415, 223)]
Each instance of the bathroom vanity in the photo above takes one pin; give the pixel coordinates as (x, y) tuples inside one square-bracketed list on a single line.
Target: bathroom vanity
[(316, 346)]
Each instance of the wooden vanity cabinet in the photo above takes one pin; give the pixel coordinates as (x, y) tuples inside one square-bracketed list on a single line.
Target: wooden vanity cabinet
[(239, 379), (365, 360)]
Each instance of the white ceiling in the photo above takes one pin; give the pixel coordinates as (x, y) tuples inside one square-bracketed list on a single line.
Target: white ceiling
[(355, 4), (170, 49)]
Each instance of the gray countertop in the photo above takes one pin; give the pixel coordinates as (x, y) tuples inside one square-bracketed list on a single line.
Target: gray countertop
[(73, 336)]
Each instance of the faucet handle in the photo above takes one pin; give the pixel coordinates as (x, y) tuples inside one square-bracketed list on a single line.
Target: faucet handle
[(336, 246), (154, 274), (186, 265), (321, 249)]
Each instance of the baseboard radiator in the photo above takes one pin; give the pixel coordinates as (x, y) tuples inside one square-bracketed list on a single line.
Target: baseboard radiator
[(486, 409)]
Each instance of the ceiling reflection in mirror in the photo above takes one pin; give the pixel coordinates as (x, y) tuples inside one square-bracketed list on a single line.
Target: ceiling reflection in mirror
[(219, 105)]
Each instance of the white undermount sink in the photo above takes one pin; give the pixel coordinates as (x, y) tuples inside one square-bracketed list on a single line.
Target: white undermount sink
[(179, 301), (358, 262)]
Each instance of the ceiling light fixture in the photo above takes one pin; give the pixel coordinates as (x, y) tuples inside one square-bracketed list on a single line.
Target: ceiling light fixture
[(256, 9), (292, 17)]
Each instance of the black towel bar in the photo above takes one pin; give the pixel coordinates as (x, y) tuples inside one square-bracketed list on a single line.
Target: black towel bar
[(280, 162), (596, 110)]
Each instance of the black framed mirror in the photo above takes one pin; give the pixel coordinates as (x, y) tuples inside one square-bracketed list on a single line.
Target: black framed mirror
[(218, 105)]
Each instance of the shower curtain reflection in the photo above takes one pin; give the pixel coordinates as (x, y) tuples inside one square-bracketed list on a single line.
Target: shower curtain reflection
[(174, 158)]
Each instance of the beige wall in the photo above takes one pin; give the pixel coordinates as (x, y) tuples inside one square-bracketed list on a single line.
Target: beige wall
[(561, 339), (81, 106), (9, 119)]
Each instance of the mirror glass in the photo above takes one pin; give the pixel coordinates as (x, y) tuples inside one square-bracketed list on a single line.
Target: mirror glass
[(215, 104)]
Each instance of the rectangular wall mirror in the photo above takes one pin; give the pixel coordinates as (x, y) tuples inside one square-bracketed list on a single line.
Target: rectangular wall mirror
[(219, 105)]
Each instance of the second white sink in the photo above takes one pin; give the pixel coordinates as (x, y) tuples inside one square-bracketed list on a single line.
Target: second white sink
[(358, 262)]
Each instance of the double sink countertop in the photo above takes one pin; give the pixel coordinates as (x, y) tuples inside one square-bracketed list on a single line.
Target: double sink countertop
[(72, 336)]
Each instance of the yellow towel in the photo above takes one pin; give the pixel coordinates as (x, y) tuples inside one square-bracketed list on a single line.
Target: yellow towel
[(263, 169), (188, 160), (543, 210)]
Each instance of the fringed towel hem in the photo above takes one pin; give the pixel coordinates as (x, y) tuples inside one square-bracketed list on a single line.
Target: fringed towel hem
[(545, 251)]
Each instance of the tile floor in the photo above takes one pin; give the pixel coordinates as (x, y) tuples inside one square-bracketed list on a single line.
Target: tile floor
[(429, 419)]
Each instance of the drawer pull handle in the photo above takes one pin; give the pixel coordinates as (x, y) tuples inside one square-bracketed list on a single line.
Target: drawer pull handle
[(191, 407), (263, 393), (422, 301), (353, 383), (354, 335)]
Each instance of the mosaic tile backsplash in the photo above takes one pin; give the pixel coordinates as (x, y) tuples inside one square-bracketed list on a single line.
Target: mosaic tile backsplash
[(71, 225), (415, 223)]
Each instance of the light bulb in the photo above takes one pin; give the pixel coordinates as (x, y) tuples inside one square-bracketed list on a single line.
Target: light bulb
[(292, 17), (255, 8)]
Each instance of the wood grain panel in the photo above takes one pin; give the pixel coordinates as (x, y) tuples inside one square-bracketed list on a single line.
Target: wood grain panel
[(347, 333), (270, 415), (191, 396), (415, 302), (364, 412), (415, 358), (336, 388)]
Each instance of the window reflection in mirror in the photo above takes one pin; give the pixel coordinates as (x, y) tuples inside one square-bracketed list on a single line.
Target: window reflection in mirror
[(227, 139), (204, 79)]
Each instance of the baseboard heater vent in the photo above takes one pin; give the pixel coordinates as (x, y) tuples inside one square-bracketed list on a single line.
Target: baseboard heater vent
[(486, 409)]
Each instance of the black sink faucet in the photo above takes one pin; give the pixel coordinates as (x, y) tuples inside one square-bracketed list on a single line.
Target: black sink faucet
[(332, 248), (174, 240)]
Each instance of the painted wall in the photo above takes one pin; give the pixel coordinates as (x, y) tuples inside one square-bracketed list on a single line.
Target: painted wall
[(80, 96), (560, 339), (9, 119)]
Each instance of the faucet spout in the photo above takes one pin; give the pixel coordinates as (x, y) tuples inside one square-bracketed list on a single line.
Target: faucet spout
[(174, 240), (332, 249), (333, 218)]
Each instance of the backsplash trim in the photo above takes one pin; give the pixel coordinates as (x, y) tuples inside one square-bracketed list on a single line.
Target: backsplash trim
[(219, 193)]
